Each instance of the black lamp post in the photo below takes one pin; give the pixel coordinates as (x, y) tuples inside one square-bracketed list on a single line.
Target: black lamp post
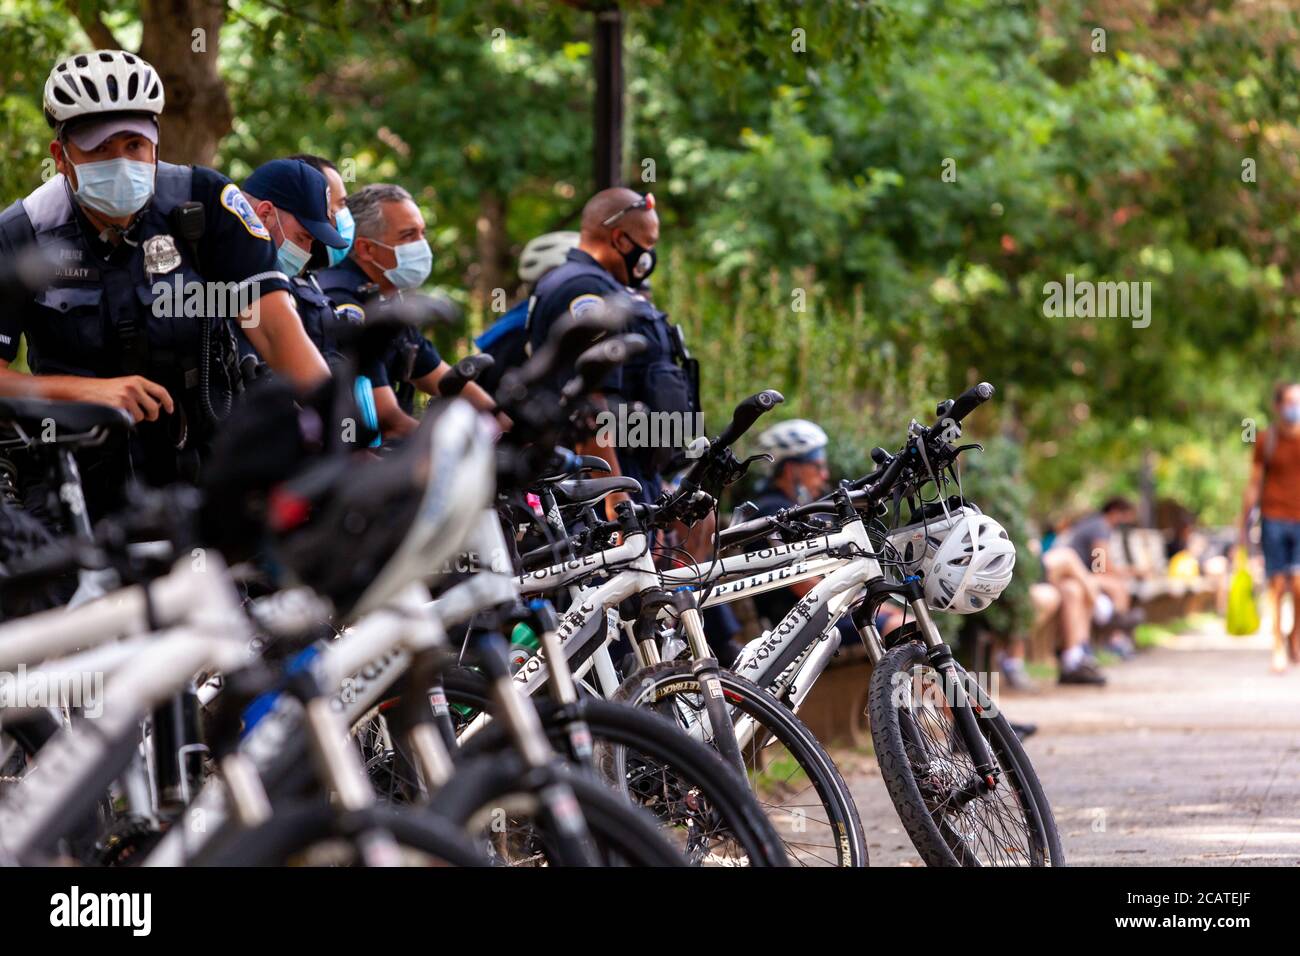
[(608, 107)]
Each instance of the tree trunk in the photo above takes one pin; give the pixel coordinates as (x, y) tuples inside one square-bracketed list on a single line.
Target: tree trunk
[(181, 38), (493, 248)]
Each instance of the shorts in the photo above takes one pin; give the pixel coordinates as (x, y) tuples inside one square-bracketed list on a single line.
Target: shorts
[(1281, 540)]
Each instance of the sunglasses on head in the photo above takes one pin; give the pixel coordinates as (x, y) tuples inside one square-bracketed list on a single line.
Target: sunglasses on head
[(645, 202)]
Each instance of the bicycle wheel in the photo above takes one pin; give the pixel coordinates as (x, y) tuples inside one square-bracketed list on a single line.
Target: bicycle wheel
[(700, 804), (317, 834), (494, 799), (952, 818), (790, 773)]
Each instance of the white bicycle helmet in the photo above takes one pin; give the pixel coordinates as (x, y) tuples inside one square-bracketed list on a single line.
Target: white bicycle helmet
[(791, 439), (971, 563), (914, 544), (103, 81), (545, 253)]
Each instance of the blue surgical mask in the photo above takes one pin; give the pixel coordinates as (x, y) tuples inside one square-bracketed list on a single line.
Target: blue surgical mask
[(1292, 414), (347, 228), (115, 187), (290, 257), (414, 263)]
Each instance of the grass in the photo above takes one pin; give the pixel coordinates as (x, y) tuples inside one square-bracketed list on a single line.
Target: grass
[(1153, 635)]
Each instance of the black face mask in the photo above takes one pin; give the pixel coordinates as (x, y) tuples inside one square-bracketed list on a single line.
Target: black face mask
[(639, 261)]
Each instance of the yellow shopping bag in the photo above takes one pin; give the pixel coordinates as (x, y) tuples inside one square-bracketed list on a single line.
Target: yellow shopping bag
[(1243, 616)]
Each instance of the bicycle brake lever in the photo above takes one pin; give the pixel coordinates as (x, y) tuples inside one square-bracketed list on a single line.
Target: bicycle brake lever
[(739, 469)]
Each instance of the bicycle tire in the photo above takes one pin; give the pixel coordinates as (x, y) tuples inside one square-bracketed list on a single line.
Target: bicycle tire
[(482, 786), (613, 725), (651, 686), (295, 829), (924, 804)]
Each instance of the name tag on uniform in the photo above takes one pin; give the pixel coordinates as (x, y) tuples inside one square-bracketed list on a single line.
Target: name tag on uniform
[(160, 254), (78, 273), (70, 264)]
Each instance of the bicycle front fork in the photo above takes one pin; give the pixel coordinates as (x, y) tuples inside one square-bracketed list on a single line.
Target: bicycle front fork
[(706, 670), (964, 710)]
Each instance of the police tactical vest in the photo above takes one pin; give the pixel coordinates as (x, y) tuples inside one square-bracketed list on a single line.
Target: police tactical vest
[(145, 310), (664, 377), (317, 312), (128, 315)]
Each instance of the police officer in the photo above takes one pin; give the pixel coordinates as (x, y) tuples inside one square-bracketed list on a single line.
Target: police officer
[(292, 200), (322, 256), (138, 243), (390, 255), (614, 257)]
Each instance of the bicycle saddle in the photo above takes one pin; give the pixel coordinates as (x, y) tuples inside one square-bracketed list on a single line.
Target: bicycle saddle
[(578, 491), (73, 421), (585, 463)]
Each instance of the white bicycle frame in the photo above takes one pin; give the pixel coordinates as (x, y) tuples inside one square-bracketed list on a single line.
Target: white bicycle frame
[(363, 662), (843, 559), (196, 624)]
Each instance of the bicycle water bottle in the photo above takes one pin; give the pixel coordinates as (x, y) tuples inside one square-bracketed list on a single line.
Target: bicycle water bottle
[(524, 643)]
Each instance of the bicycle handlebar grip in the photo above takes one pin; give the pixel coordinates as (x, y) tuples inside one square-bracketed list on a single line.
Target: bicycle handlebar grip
[(462, 373), (748, 412), (966, 402)]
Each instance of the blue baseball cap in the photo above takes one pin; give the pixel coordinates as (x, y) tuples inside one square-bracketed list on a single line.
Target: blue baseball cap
[(292, 185)]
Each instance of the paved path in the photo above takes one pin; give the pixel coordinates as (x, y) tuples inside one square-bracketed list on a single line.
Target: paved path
[(1190, 756)]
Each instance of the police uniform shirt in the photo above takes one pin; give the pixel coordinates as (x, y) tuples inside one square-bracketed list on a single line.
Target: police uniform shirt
[(316, 312), (576, 288), (70, 325), (580, 286), (409, 356)]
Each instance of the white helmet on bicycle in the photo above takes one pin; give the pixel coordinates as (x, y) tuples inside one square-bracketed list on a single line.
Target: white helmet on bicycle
[(545, 253), (792, 439), (971, 563), (99, 83)]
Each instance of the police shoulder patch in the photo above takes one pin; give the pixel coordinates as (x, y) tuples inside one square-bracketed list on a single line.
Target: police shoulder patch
[(584, 304), (350, 313), (236, 203)]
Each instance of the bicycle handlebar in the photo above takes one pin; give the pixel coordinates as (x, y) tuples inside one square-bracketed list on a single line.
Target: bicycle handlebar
[(746, 413), (872, 489), (963, 405), (742, 419), (462, 373)]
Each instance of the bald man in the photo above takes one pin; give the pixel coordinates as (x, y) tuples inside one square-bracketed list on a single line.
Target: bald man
[(614, 257)]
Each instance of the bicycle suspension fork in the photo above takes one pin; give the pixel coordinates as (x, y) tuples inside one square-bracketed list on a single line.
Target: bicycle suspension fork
[(954, 690), (706, 670)]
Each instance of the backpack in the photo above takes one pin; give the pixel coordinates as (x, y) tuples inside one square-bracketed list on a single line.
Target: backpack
[(506, 340)]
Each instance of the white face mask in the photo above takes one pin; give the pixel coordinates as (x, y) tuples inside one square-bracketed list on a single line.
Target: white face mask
[(414, 263), (291, 258), (114, 187)]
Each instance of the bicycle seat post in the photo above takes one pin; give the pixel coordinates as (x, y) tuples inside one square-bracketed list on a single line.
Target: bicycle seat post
[(72, 498)]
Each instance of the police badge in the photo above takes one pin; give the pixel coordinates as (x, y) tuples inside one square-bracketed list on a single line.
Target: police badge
[(160, 254)]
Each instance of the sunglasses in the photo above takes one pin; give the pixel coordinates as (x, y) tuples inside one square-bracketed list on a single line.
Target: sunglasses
[(645, 202)]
